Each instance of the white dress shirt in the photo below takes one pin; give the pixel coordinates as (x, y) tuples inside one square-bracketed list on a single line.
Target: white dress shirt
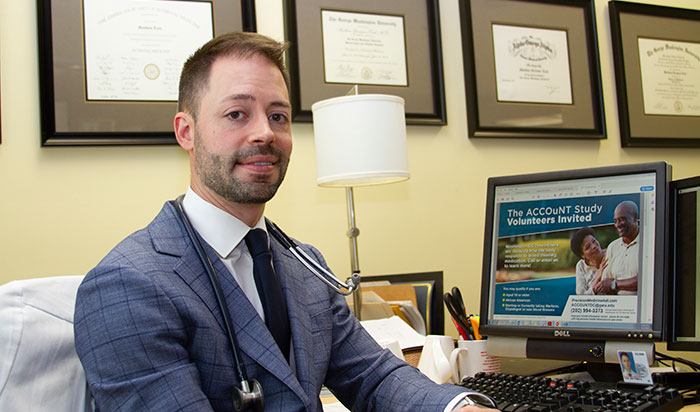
[(225, 234)]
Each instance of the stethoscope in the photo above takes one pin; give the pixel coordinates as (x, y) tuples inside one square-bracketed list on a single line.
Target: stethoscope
[(250, 392)]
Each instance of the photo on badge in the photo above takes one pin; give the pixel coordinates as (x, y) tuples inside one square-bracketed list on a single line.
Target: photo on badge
[(634, 367)]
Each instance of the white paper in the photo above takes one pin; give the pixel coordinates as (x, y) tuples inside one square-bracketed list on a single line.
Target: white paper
[(394, 328), (135, 49), (364, 48), (670, 72), (532, 65)]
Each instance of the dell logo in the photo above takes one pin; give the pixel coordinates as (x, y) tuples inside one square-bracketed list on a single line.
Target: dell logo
[(561, 333)]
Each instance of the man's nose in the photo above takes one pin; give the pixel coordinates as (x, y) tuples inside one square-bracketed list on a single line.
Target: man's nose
[(261, 132)]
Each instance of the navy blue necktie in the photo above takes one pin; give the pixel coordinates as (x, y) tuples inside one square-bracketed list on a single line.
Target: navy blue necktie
[(269, 289)]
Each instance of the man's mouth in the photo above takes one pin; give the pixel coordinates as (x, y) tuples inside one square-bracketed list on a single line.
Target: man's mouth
[(259, 165)]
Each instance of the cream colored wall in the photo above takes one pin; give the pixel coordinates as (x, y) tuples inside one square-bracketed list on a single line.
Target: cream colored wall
[(62, 209)]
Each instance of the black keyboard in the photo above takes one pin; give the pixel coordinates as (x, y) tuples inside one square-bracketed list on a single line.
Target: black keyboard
[(516, 393)]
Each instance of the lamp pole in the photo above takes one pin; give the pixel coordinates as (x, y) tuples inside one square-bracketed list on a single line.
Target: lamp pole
[(353, 233)]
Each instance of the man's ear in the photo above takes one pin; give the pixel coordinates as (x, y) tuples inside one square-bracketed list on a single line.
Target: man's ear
[(184, 130)]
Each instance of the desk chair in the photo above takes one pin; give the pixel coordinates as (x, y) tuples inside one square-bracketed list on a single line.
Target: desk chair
[(39, 369)]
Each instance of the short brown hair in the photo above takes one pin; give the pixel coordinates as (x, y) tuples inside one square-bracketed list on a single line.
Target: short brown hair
[(194, 78)]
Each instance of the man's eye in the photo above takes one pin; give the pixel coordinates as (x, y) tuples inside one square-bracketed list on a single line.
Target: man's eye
[(278, 117), (235, 115)]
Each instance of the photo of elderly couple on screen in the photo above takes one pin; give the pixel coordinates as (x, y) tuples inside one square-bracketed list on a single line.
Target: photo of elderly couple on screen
[(569, 258)]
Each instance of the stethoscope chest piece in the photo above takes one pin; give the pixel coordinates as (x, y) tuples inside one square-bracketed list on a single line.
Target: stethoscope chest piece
[(246, 397)]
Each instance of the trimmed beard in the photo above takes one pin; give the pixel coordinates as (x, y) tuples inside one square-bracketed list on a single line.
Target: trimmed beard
[(216, 173)]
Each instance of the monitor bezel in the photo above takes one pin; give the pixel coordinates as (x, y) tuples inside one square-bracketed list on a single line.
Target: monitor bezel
[(672, 342), (662, 172)]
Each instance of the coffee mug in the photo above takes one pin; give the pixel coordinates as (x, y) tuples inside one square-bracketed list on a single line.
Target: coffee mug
[(434, 358), (469, 358)]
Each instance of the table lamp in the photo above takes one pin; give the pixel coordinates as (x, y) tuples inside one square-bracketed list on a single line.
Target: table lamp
[(360, 140)]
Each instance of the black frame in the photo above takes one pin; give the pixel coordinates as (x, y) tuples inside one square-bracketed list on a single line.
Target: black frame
[(437, 322), (658, 23), (662, 171), (49, 135), (682, 283), (301, 109), (586, 83)]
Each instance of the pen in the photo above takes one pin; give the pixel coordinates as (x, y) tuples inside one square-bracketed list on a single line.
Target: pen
[(472, 336), (474, 325)]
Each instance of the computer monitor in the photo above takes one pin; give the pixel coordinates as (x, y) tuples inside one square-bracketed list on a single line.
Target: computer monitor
[(545, 292), (684, 320)]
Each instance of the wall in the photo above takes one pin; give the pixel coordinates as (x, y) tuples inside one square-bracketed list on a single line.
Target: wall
[(62, 209)]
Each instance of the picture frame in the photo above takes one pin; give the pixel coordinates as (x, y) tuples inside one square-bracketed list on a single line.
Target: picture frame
[(429, 287), (71, 116), (656, 106), (319, 73), (532, 69)]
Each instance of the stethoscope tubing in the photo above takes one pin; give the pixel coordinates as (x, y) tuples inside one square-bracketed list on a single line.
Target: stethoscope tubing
[(311, 264), (214, 279)]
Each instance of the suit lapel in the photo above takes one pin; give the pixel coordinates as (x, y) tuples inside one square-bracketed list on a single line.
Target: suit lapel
[(169, 237), (254, 339), (290, 273)]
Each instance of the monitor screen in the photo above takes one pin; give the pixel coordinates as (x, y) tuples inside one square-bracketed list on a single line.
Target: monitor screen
[(684, 324), (576, 255)]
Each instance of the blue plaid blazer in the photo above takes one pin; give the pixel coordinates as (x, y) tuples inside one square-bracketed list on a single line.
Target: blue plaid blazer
[(151, 337)]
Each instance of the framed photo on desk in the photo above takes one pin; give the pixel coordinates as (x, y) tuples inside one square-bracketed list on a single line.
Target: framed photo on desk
[(109, 71), (429, 289)]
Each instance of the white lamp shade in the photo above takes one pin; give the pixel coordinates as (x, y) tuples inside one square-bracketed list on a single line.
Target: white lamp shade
[(360, 140)]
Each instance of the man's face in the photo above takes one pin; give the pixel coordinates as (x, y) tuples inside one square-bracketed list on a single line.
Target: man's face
[(242, 134), (625, 222)]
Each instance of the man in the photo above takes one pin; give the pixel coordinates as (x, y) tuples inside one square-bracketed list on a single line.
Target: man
[(147, 326), (621, 274)]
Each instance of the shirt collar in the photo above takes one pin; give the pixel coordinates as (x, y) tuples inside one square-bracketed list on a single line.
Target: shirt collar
[(218, 228), (632, 243)]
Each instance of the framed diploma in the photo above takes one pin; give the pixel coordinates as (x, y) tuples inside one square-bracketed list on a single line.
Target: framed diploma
[(656, 52), (383, 47), (531, 69), (109, 69)]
